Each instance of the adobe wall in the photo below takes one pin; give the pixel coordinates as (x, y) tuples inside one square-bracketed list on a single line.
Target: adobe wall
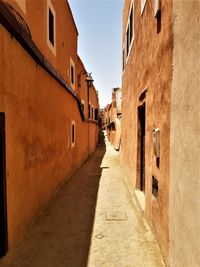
[(184, 208), (148, 67), (39, 153), (66, 37)]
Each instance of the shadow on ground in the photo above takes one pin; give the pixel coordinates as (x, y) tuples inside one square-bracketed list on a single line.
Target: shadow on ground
[(61, 235)]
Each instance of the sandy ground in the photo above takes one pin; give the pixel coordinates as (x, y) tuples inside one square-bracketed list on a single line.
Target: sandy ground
[(92, 221)]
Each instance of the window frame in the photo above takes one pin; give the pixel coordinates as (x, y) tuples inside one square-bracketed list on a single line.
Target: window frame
[(72, 65), (130, 41), (50, 45), (73, 134)]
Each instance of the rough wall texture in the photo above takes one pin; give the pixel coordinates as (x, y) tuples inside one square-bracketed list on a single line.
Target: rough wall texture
[(148, 67), (39, 114), (184, 212)]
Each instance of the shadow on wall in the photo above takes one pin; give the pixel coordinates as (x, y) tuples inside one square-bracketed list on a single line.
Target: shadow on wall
[(61, 236)]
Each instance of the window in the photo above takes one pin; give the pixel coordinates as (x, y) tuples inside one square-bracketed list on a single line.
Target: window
[(73, 134), (89, 111), (96, 114), (92, 112), (130, 30), (127, 41), (131, 25), (51, 27), (123, 65), (72, 73)]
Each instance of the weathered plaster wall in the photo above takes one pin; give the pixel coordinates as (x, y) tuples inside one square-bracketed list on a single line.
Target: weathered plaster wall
[(184, 212), (66, 38), (149, 66), (39, 154)]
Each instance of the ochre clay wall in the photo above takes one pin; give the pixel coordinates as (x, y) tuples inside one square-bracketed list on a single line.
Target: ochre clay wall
[(39, 113), (93, 124), (66, 37), (184, 211), (148, 67)]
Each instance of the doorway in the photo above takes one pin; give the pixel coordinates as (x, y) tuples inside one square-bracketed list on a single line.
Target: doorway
[(3, 206), (140, 182)]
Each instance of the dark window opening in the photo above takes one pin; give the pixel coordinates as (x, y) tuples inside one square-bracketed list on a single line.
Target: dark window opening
[(154, 186), (157, 162), (131, 25), (158, 17), (140, 182), (127, 41), (73, 134), (123, 61), (89, 111), (51, 27), (72, 74), (96, 114)]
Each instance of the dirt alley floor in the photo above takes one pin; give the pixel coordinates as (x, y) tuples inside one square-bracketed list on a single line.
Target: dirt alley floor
[(92, 221)]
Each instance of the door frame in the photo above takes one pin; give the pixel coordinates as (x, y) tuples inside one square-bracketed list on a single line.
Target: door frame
[(141, 132)]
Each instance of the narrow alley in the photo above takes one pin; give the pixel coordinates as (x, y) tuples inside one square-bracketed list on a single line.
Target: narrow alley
[(92, 221)]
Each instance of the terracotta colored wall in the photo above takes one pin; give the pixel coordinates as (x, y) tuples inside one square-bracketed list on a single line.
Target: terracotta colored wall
[(149, 67), (184, 211), (39, 113), (93, 125), (66, 37)]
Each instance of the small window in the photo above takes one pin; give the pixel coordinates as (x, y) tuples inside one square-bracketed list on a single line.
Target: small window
[(72, 73), (89, 111), (92, 112), (96, 114), (51, 27), (131, 25), (127, 41), (73, 134)]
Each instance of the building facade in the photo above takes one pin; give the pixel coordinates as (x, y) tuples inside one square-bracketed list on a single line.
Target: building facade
[(113, 114), (159, 37), (46, 130)]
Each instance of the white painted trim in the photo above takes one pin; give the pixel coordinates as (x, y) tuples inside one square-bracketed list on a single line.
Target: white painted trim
[(83, 102), (22, 5), (142, 6), (73, 65), (52, 47), (73, 143)]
